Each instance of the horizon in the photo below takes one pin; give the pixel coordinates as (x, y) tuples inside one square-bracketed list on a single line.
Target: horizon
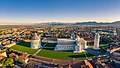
[(54, 22), (67, 11)]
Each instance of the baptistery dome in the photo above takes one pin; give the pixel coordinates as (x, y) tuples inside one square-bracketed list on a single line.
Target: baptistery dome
[(35, 41)]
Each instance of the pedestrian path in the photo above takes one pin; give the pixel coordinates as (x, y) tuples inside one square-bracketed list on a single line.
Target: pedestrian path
[(85, 55), (39, 49)]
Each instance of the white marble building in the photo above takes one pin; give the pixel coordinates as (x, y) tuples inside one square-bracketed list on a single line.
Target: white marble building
[(65, 44), (76, 45), (35, 41), (81, 45), (96, 41), (114, 32)]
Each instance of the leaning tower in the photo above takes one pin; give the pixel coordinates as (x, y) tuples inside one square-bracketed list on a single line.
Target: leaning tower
[(96, 41), (35, 41)]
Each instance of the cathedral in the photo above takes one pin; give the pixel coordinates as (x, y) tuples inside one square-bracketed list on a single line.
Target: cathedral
[(81, 44), (76, 45)]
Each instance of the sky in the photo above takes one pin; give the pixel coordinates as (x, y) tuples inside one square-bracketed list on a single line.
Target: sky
[(67, 11)]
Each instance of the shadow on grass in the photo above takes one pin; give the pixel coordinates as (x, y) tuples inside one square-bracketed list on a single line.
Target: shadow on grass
[(51, 45), (65, 51), (49, 49), (28, 44), (77, 56), (89, 55), (25, 44)]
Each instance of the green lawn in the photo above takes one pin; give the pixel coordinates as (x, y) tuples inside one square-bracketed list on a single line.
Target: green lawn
[(90, 43), (89, 55), (24, 47), (51, 45), (103, 45), (60, 55), (50, 53)]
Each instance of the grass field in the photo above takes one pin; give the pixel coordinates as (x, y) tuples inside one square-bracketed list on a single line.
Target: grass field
[(50, 53), (60, 55), (51, 45), (24, 47), (89, 55), (90, 43), (103, 45)]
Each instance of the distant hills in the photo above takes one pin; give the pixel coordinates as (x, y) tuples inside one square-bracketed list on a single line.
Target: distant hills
[(96, 23), (79, 23), (116, 23), (53, 23), (69, 24)]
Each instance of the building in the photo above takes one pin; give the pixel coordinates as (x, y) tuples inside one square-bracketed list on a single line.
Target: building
[(114, 48), (73, 36), (96, 41), (24, 57), (65, 44), (81, 45), (104, 61), (49, 39), (88, 64), (3, 53), (114, 32), (35, 41), (76, 45)]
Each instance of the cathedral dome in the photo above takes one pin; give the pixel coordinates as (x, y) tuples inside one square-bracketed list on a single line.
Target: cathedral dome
[(35, 37)]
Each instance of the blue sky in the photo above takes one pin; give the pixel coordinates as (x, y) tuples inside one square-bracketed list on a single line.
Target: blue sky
[(34, 11)]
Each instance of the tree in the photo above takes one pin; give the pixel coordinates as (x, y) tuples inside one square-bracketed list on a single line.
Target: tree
[(8, 62), (20, 61)]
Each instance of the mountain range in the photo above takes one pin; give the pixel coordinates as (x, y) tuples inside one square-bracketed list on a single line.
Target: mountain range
[(79, 23)]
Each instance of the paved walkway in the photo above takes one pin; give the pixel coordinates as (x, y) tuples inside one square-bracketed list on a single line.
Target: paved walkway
[(40, 49), (85, 55)]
